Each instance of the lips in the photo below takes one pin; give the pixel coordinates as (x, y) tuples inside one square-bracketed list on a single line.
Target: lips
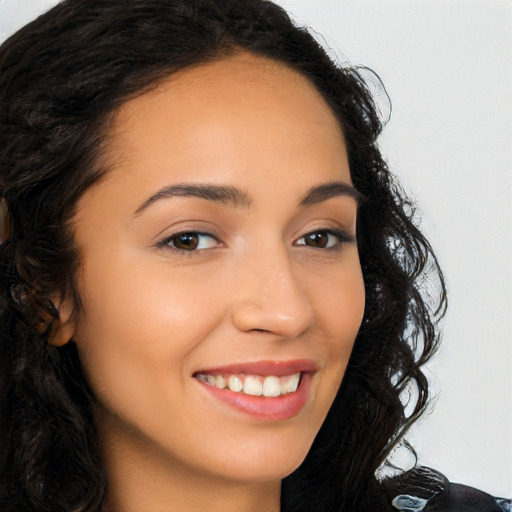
[(266, 390), (264, 368), (255, 385)]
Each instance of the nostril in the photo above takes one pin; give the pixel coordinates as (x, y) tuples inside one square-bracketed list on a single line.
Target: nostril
[(269, 320)]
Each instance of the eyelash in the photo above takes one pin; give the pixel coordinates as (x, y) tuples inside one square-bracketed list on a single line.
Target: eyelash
[(342, 238), (167, 242)]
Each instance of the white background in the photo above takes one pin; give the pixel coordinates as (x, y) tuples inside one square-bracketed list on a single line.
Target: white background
[(447, 65)]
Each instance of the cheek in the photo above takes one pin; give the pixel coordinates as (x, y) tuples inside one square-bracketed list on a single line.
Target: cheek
[(136, 330), (339, 307), (342, 306), (133, 305)]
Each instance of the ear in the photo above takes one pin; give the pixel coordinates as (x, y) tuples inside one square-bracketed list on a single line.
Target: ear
[(64, 327)]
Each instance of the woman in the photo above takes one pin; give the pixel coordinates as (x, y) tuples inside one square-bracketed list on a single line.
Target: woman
[(210, 290)]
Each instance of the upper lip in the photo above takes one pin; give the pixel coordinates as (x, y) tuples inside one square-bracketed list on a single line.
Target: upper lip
[(264, 368)]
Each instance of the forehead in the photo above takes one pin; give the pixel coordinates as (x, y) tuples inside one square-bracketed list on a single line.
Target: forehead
[(240, 97), (242, 80), (244, 121)]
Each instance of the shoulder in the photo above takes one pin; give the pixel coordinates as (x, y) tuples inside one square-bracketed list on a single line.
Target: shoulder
[(425, 490)]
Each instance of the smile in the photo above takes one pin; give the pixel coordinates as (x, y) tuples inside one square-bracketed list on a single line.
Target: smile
[(271, 391), (255, 385)]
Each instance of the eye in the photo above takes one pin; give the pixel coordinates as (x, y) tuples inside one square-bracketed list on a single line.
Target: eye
[(324, 239), (190, 241)]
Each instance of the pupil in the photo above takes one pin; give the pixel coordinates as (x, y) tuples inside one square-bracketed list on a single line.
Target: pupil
[(317, 239), (187, 241)]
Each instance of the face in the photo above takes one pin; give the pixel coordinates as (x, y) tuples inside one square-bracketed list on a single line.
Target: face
[(219, 253)]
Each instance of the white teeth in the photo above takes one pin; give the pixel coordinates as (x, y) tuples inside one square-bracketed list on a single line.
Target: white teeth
[(271, 386), (235, 383), (256, 385), (220, 382), (289, 384), (253, 386), (209, 379)]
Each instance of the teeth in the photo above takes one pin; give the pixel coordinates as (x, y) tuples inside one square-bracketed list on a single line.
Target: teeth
[(220, 382), (235, 383), (210, 379), (256, 385), (290, 383), (271, 386), (253, 386)]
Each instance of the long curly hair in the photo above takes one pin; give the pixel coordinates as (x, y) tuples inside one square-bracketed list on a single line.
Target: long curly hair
[(62, 79)]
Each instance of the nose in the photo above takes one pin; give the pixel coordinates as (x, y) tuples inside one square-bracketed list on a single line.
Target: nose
[(270, 297)]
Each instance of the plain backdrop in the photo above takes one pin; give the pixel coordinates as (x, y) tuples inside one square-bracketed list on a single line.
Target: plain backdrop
[(447, 66)]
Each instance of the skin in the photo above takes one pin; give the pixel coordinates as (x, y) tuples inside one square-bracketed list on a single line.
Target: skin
[(151, 316)]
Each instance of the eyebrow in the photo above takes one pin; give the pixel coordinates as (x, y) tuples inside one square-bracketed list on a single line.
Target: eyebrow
[(232, 195), (326, 191), (218, 193)]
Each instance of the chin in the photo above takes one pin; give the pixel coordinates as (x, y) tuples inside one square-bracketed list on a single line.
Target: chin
[(263, 472), (263, 462)]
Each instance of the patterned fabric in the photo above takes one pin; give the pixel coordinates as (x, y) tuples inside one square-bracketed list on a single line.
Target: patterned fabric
[(423, 489), (457, 498)]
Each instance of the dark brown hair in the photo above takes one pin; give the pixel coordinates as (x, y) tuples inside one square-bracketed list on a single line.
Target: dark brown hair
[(62, 78)]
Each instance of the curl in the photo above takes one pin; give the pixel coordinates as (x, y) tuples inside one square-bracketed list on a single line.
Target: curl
[(62, 79)]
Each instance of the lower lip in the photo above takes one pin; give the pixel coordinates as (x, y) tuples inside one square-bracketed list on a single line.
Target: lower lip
[(264, 408)]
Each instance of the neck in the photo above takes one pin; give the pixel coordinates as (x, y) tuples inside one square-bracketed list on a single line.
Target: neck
[(141, 478)]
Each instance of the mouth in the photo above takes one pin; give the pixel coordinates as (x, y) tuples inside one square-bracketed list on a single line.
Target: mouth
[(254, 385), (266, 390)]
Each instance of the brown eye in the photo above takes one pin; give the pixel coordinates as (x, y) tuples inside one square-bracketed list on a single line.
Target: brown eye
[(325, 239), (186, 241), (319, 239), (190, 241)]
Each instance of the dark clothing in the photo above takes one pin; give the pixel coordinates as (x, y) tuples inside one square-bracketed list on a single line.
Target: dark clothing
[(459, 498), (425, 490)]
